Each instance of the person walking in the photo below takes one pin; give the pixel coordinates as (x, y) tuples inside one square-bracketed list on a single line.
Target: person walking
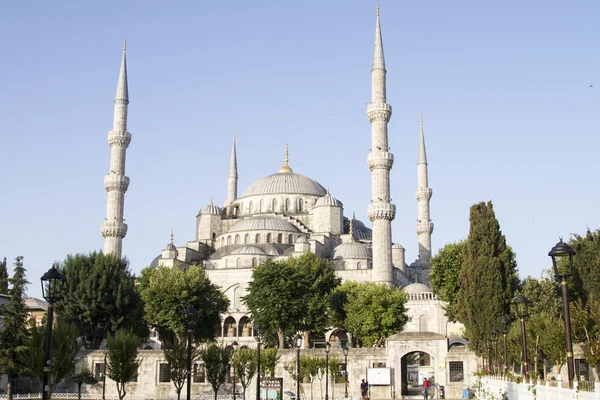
[(426, 385), (364, 390)]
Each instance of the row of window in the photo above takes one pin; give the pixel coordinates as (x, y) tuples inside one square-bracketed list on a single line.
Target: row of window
[(257, 239), (270, 207), (164, 373)]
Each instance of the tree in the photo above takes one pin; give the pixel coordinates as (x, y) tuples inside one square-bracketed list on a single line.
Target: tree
[(488, 272), (288, 296), (3, 277), (100, 298), (216, 360), (370, 311), (334, 368), (176, 355), (444, 276), (13, 333), (167, 291), (122, 361), (586, 271), (244, 365), (85, 377), (585, 319), (268, 361)]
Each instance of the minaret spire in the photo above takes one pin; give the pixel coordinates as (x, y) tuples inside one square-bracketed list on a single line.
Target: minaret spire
[(116, 183), (380, 211), (286, 169), (423, 194), (232, 181)]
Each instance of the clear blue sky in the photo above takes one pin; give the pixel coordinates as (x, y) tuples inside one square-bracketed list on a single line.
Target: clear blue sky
[(504, 88)]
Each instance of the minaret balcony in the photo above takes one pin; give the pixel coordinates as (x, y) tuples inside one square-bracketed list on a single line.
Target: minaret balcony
[(381, 211), (379, 112), (380, 160), (113, 229), (119, 138), (424, 227), (423, 193), (116, 182)]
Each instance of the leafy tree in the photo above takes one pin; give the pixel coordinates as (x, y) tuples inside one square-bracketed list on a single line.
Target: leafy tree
[(370, 311), (585, 319), (586, 274), (244, 365), (100, 298), (268, 361), (176, 355), (122, 361), (33, 359), (488, 272), (444, 276), (334, 367), (85, 377), (216, 360), (13, 333), (167, 291), (3, 277)]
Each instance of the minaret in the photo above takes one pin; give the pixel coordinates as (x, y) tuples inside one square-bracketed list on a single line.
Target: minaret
[(232, 181), (423, 193), (116, 183), (381, 211)]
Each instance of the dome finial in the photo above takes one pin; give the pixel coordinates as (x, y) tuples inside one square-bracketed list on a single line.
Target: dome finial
[(172, 237), (124, 44), (351, 231), (378, 9), (353, 215), (211, 202), (286, 168)]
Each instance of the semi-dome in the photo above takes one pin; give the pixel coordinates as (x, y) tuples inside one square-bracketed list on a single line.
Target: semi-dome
[(285, 183), (416, 288), (328, 200), (352, 250), (246, 249), (263, 223), (210, 209)]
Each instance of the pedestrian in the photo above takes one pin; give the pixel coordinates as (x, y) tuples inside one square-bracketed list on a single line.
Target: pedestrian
[(426, 385), (364, 390)]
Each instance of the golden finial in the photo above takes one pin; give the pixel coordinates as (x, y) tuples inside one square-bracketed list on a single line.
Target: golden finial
[(327, 192), (378, 9), (124, 44), (287, 154), (172, 237), (351, 231), (211, 203), (286, 168)]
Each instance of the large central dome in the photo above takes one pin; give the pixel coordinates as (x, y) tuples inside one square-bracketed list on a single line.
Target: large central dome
[(286, 182)]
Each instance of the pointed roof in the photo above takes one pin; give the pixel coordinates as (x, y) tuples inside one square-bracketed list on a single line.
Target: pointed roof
[(378, 59), (233, 173), (122, 90), (422, 152)]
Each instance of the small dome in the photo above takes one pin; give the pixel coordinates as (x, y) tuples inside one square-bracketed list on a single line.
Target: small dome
[(170, 246), (284, 183), (210, 209), (302, 239), (328, 200), (263, 223), (248, 250), (359, 230), (154, 262), (415, 288), (352, 250)]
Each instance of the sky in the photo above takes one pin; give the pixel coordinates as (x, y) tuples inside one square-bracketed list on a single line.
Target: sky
[(504, 87)]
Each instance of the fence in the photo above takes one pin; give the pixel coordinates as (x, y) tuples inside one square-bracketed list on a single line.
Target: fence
[(94, 396), (499, 388)]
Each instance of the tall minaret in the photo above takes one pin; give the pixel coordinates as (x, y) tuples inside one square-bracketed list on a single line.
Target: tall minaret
[(232, 181), (381, 211), (423, 193), (116, 183)]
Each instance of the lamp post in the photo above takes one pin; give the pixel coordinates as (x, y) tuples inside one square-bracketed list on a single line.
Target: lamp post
[(563, 251), (495, 333), (346, 349), (235, 346), (503, 322), (327, 348), (189, 313), (489, 349), (298, 339), (258, 336), (522, 306), (52, 285)]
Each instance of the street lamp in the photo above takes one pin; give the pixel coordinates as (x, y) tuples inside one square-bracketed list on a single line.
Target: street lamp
[(503, 322), (258, 336), (522, 307), (52, 285), (327, 348), (346, 349), (489, 349), (189, 313), (495, 333), (235, 346), (563, 251), (298, 339)]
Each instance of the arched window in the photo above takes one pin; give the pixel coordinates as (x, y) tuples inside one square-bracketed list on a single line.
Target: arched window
[(280, 238), (237, 239), (290, 239), (238, 262), (287, 205), (247, 238), (358, 266), (245, 327), (257, 238), (269, 238), (254, 261), (274, 205), (229, 239), (214, 236), (423, 323), (250, 207), (300, 204), (230, 327), (260, 206)]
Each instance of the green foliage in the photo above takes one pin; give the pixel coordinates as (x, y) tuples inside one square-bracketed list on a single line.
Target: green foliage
[(122, 359), (13, 333), (544, 295), (585, 320), (167, 291), (99, 297), (33, 359), (586, 274), (244, 365), (290, 295), (370, 311), (268, 361), (3, 277), (176, 356), (488, 277), (444, 276), (85, 377), (216, 360), (334, 367)]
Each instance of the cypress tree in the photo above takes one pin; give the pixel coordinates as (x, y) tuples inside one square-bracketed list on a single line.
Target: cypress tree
[(488, 276), (3, 277)]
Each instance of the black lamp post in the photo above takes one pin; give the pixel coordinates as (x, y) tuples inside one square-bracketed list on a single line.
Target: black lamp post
[(489, 349), (327, 348), (504, 322), (559, 252), (346, 349), (189, 313), (52, 285), (258, 336), (298, 339), (522, 306), (235, 346), (495, 333)]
